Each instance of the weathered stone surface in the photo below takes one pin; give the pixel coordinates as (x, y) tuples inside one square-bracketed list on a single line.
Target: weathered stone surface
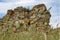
[(20, 16)]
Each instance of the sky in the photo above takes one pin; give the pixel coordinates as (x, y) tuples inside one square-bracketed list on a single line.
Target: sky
[(55, 10)]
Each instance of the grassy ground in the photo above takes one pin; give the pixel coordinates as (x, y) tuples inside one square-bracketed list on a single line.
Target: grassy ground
[(31, 34)]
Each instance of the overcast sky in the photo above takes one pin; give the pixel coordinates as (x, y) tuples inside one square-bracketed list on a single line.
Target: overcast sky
[(11, 4)]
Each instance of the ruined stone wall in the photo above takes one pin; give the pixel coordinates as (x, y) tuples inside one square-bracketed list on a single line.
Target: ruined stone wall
[(23, 17)]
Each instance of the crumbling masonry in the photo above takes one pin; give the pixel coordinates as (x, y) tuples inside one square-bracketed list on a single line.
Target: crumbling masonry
[(22, 17)]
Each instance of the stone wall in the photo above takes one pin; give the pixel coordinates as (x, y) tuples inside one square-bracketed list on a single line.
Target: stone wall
[(22, 17)]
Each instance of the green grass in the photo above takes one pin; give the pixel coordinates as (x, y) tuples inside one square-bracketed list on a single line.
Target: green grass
[(31, 34)]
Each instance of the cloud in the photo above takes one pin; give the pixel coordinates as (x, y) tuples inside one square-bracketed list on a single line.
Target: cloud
[(4, 6), (16, 0), (8, 0), (54, 20), (10, 3)]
